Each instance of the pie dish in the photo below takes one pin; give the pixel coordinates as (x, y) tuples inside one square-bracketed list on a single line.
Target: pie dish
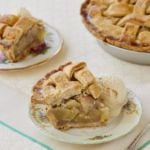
[(54, 42), (75, 98), (20, 34), (122, 23)]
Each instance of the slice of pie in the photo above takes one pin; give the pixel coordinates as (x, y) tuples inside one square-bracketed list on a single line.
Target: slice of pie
[(19, 34), (123, 23), (73, 97)]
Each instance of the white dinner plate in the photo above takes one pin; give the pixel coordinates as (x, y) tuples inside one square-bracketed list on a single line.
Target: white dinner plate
[(54, 42), (119, 127)]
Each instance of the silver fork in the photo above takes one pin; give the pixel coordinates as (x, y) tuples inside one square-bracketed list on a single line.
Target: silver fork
[(134, 143)]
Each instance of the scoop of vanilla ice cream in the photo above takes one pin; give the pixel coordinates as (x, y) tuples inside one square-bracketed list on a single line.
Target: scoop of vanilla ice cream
[(114, 94), (22, 12)]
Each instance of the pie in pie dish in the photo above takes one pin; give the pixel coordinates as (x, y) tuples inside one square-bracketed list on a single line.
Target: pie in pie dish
[(123, 23), (19, 34), (75, 98)]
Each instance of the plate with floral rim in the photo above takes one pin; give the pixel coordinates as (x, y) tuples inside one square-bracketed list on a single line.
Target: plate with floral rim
[(54, 44), (122, 125)]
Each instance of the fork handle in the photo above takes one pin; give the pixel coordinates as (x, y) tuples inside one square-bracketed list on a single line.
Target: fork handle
[(137, 138)]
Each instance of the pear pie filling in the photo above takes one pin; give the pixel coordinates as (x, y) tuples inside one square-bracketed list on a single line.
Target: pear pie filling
[(75, 98)]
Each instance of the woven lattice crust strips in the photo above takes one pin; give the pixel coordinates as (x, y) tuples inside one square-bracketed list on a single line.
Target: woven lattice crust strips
[(72, 96), (123, 23), (18, 34)]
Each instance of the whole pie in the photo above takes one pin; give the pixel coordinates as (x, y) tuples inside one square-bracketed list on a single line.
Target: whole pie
[(75, 98), (123, 23), (19, 34)]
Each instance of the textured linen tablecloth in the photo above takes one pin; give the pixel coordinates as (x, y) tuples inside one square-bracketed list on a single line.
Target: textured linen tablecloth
[(13, 139), (79, 45)]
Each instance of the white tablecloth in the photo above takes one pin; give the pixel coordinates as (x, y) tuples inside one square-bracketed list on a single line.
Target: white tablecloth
[(79, 45)]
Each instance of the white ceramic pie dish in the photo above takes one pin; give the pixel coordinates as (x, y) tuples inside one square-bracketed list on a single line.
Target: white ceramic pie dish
[(127, 121), (141, 58)]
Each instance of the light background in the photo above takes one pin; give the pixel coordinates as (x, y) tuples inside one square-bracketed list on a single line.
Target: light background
[(79, 45)]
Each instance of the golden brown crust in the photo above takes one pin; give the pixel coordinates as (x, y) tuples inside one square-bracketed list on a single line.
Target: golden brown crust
[(63, 66), (25, 23), (123, 31), (10, 20), (2, 27), (70, 69)]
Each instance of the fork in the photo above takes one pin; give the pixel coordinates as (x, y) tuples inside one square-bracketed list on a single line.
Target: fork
[(134, 143)]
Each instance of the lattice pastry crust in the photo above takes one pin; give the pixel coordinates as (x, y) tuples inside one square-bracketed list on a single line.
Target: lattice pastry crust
[(123, 23), (72, 95)]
